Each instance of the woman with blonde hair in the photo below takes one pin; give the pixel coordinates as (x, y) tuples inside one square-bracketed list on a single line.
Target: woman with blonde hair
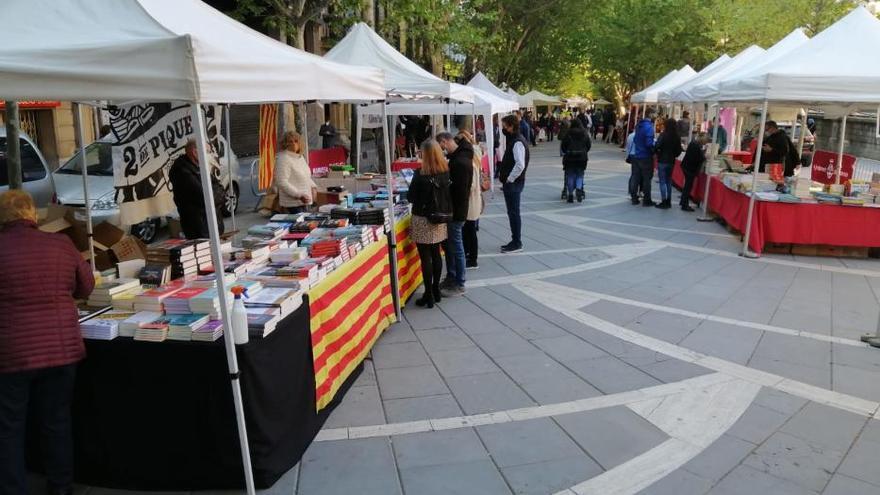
[(293, 177), (431, 210)]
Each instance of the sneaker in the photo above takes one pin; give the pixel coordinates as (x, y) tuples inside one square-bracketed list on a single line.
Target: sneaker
[(454, 292), (511, 248), (447, 284), (471, 265), (648, 203), (634, 201)]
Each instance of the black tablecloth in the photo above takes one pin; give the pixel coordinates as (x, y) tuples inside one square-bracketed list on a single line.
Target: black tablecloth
[(159, 416)]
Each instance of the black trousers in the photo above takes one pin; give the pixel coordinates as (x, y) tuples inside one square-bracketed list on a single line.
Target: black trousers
[(47, 393), (469, 236), (686, 189), (432, 266), (642, 173)]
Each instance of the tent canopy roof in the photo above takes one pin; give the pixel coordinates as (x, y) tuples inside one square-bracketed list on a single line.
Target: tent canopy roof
[(480, 81), (539, 98), (523, 100), (485, 103), (664, 93), (684, 92), (363, 46), (154, 50), (837, 66), (675, 76)]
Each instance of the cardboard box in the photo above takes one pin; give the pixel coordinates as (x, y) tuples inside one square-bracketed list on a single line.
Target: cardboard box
[(106, 235), (324, 198), (129, 248)]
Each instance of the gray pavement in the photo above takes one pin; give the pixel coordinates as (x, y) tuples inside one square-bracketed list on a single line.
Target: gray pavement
[(626, 350)]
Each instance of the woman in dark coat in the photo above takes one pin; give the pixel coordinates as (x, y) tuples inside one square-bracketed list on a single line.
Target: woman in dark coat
[(667, 149), (575, 154), (41, 274)]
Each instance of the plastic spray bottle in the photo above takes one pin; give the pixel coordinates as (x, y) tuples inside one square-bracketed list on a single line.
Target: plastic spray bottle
[(239, 324)]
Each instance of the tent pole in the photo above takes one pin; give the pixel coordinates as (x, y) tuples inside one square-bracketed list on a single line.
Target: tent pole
[(740, 120), (81, 144), (392, 237), (229, 160), (705, 202), (840, 147), (755, 167), (490, 145), (198, 120), (357, 144), (304, 109), (691, 124)]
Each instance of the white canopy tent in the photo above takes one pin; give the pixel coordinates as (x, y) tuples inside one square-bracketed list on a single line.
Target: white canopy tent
[(664, 94), (403, 77), (480, 81), (542, 99), (833, 71), (137, 50), (684, 93), (523, 100), (674, 77), (485, 104)]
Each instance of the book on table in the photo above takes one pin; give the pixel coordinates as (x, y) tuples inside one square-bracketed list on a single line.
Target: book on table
[(129, 326), (104, 326), (209, 332)]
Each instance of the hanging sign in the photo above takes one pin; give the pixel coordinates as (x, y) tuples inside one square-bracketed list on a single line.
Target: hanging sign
[(825, 166), (147, 138)]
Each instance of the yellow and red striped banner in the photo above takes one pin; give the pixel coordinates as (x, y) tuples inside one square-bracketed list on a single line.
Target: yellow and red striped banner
[(409, 267), (268, 144), (348, 311)]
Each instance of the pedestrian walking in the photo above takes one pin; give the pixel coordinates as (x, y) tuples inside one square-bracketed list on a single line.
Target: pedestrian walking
[(642, 156), (479, 184), (668, 147), (41, 274), (512, 173), (609, 122), (575, 152), (693, 160), (431, 205), (461, 171)]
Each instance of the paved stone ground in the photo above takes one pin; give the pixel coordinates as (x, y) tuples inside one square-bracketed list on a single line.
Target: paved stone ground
[(626, 350)]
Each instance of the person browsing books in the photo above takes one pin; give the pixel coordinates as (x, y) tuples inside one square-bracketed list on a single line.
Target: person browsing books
[(186, 183), (461, 173), (293, 177), (431, 209), (41, 274)]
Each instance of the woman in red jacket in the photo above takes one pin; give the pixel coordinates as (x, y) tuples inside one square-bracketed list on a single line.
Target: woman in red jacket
[(40, 342)]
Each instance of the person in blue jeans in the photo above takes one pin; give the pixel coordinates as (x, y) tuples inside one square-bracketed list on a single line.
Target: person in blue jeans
[(667, 148), (575, 150), (512, 173), (461, 172), (642, 159)]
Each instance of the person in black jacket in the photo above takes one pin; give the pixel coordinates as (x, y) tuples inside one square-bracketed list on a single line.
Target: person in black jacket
[(667, 148), (429, 182), (575, 154), (186, 184), (691, 164), (461, 173), (512, 174), (775, 149)]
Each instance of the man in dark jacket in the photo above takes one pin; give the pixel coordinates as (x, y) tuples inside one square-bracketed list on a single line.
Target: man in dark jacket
[(40, 342), (575, 153), (461, 173), (643, 160), (691, 163), (328, 134), (524, 128), (608, 121), (512, 173), (775, 149), (186, 183)]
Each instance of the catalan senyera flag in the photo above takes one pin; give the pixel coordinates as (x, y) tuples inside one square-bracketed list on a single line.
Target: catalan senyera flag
[(268, 144), (409, 267), (348, 311)]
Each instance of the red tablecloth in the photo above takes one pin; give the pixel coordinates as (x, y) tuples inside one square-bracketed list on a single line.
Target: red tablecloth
[(699, 184), (399, 165), (744, 156), (804, 223)]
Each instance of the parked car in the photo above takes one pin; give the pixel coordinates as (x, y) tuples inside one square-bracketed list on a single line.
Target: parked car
[(35, 175), (102, 194)]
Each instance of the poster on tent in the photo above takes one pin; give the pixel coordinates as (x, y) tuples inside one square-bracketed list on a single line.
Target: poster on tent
[(148, 137), (825, 166)]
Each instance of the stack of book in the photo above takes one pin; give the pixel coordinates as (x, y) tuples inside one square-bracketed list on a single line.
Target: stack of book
[(179, 302), (155, 274), (129, 326), (270, 230), (284, 300), (288, 255), (208, 302), (181, 327), (125, 301), (331, 248), (261, 325), (152, 299), (104, 326), (209, 332), (178, 253), (156, 331), (210, 281), (105, 292)]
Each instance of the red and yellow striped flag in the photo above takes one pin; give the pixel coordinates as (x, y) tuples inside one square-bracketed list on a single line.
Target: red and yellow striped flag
[(268, 143)]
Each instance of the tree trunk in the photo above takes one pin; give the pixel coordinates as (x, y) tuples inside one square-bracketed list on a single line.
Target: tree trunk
[(368, 12), (299, 36), (402, 45)]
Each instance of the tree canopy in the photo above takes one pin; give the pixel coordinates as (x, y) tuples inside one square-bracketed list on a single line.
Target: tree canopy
[(607, 48)]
